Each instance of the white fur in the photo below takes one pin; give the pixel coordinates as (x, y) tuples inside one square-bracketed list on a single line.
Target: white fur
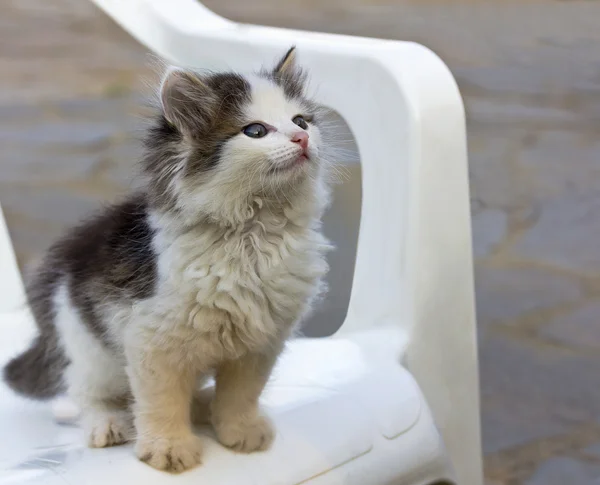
[(94, 377)]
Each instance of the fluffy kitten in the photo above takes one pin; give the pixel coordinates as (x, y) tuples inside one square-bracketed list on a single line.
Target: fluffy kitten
[(204, 272)]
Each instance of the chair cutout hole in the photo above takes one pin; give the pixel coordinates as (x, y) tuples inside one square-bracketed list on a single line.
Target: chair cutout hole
[(340, 224)]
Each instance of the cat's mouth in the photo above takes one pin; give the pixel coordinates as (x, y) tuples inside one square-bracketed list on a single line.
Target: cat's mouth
[(294, 164)]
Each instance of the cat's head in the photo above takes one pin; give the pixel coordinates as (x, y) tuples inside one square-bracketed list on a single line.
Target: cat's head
[(224, 136)]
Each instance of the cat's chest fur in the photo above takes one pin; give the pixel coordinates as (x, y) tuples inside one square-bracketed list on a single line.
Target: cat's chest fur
[(247, 285)]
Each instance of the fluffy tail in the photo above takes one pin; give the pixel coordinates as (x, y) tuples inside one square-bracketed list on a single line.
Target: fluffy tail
[(37, 372)]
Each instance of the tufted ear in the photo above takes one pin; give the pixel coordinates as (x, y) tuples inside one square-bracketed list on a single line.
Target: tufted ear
[(187, 101), (289, 75), (287, 64)]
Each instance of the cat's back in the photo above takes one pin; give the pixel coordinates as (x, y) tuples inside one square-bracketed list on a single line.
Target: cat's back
[(111, 253)]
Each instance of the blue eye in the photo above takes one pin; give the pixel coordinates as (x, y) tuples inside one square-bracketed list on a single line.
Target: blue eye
[(300, 121), (255, 130)]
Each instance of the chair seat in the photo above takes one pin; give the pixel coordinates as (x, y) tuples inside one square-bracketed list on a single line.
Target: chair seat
[(340, 419)]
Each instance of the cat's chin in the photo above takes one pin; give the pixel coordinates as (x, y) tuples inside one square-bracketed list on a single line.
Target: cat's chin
[(292, 168)]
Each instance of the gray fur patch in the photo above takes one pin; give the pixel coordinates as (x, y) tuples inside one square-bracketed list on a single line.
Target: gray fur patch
[(207, 111), (110, 259)]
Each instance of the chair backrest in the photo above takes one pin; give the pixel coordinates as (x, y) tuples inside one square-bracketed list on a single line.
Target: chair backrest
[(12, 294)]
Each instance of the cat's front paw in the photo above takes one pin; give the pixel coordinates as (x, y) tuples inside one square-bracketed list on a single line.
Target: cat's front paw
[(108, 429), (173, 455), (246, 435)]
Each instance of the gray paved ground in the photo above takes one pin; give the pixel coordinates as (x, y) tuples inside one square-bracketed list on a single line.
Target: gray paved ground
[(530, 74)]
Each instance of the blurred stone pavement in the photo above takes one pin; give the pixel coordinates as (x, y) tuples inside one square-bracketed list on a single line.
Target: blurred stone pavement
[(530, 75)]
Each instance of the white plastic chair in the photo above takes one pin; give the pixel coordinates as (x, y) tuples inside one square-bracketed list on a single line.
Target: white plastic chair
[(393, 397)]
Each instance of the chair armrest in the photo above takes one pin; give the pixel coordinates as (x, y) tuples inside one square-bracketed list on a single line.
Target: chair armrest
[(12, 294)]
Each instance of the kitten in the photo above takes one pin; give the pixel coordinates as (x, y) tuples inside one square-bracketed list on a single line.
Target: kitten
[(205, 272)]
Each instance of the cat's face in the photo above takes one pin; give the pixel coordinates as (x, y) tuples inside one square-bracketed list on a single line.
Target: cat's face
[(225, 135), (279, 142)]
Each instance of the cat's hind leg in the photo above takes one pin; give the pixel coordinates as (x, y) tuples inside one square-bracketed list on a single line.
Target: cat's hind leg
[(96, 379)]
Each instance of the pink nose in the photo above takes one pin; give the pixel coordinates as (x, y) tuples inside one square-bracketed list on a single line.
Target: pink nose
[(300, 137)]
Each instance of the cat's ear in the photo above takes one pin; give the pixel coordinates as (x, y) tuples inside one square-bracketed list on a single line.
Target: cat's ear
[(289, 75), (287, 64), (187, 102)]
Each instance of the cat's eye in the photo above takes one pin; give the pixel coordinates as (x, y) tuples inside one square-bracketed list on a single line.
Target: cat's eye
[(300, 121), (255, 130)]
